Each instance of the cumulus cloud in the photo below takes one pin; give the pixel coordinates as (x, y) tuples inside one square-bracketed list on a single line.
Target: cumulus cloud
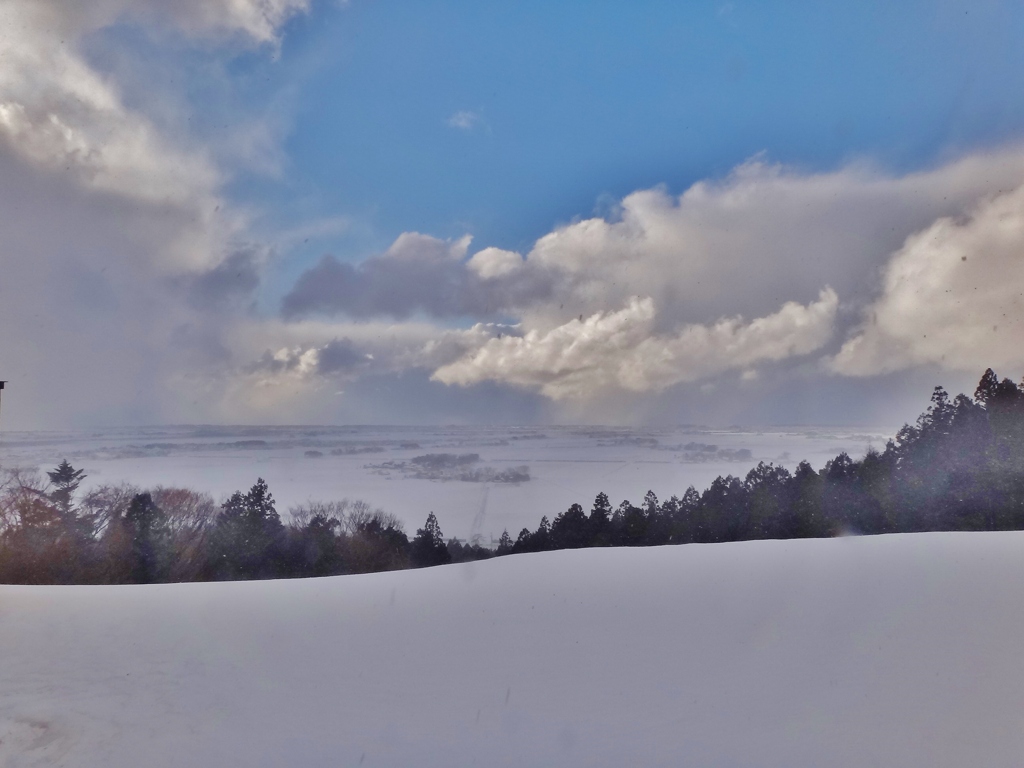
[(337, 350), (748, 243), (762, 238), (952, 296), (288, 372), (620, 350), (494, 263), (337, 358)]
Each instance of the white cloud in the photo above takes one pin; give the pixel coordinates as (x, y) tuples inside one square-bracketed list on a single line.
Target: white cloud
[(620, 351), (760, 237), (492, 263), (464, 120), (65, 118), (952, 296), (414, 247), (61, 115), (259, 20), (745, 244), (763, 238), (286, 372)]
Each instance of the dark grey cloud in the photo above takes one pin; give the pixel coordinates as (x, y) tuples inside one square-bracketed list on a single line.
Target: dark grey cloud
[(339, 355), (271, 363), (235, 279), (418, 274), (199, 346)]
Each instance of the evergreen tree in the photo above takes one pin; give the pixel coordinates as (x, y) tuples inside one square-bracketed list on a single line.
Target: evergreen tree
[(941, 412), (599, 521), (428, 547), (65, 480), (724, 510), (315, 548), (145, 524), (660, 526), (248, 536), (650, 504), (542, 537), (767, 489), (524, 542), (629, 525), (570, 529), (504, 543), (686, 523), (806, 516), (986, 389)]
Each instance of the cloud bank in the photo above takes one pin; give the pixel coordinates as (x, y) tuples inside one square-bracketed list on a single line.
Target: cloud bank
[(654, 296), (619, 350), (746, 244)]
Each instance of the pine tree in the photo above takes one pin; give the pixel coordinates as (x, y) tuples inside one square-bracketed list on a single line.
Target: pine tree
[(504, 543), (987, 387), (600, 516), (650, 505), (248, 535), (542, 537), (145, 524), (570, 529), (65, 480), (428, 547)]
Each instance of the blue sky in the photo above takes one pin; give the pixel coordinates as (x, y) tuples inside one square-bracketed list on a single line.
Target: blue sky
[(576, 104), (323, 211)]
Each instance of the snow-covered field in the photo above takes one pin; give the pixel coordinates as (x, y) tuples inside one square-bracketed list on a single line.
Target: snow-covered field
[(889, 651), (565, 465)]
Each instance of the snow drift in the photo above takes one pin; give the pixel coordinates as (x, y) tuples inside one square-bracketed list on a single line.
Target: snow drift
[(897, 650)]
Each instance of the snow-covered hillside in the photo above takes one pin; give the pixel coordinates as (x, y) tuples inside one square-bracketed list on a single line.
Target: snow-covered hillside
[(891, 651)]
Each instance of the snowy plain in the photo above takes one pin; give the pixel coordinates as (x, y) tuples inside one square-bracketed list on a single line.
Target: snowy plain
[(565, 465), (901, 651)]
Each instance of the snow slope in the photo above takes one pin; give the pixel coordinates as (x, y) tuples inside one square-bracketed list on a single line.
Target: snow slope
[(890, 651)]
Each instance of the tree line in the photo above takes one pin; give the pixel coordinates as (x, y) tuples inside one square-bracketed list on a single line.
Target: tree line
[(959, 467), (120, 534)]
